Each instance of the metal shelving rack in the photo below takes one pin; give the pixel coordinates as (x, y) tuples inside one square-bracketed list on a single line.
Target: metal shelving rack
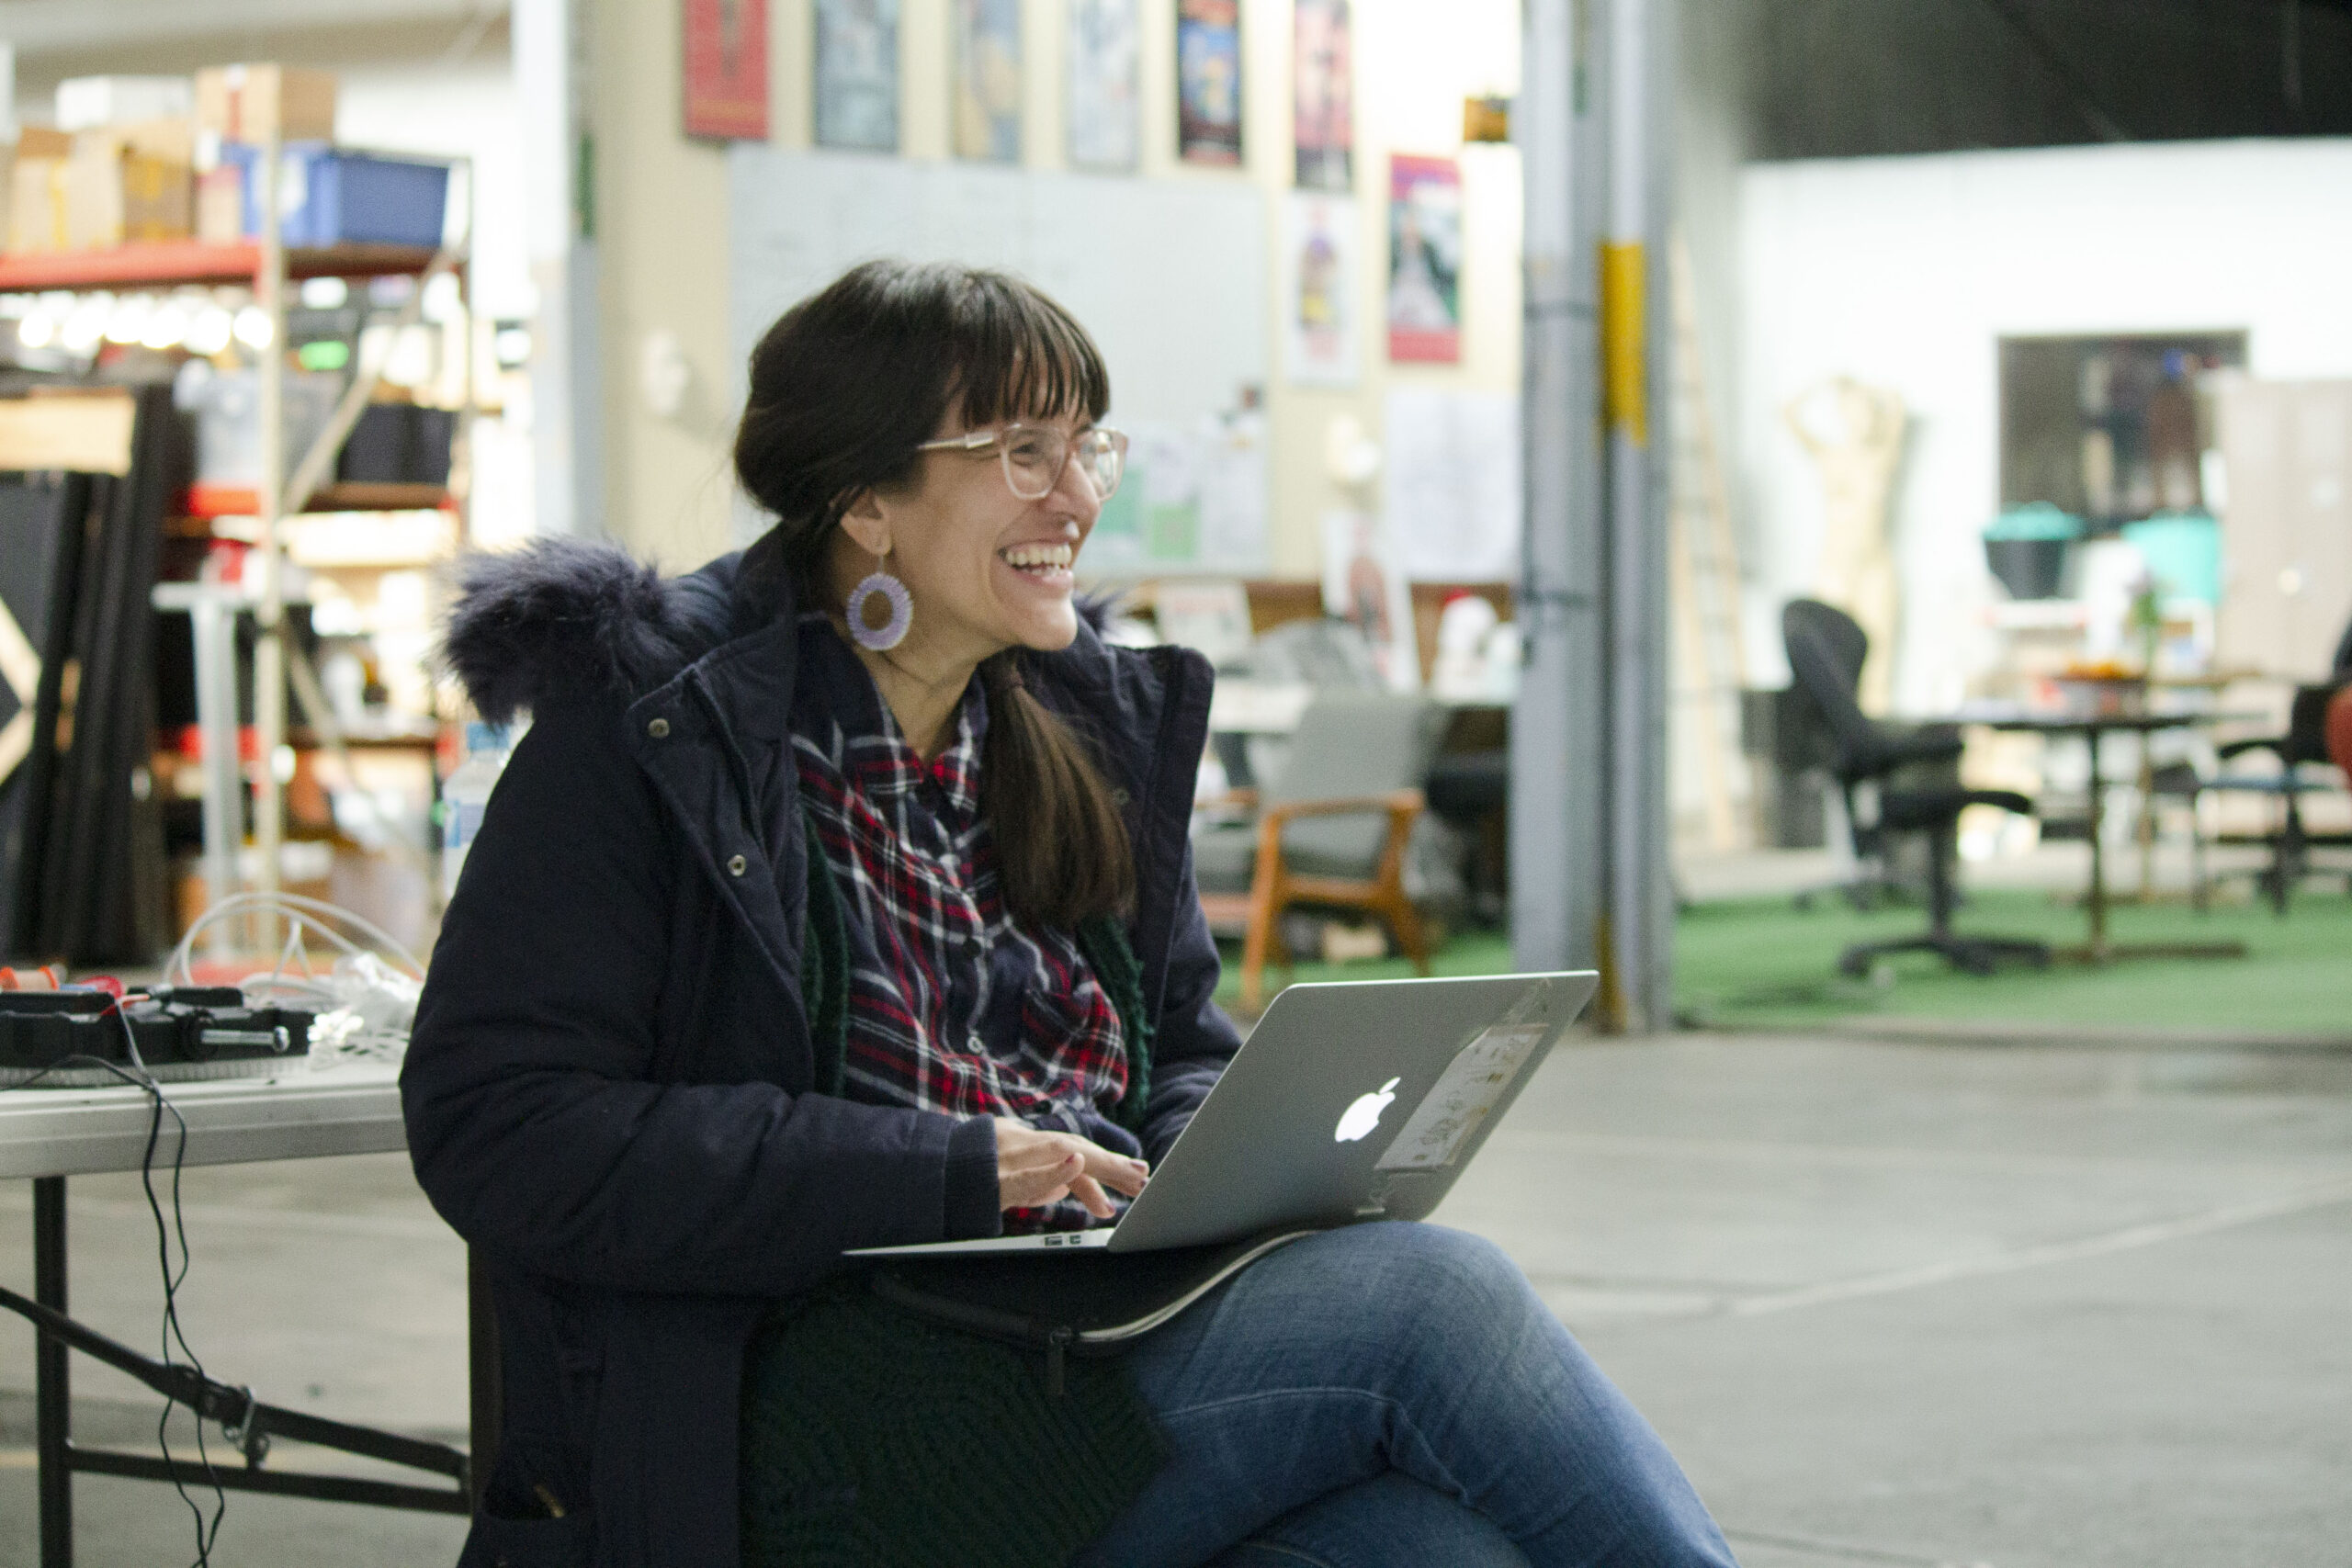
[(268, 266)]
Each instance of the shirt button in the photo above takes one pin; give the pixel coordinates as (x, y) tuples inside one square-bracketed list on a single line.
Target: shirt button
[(658, 729), (735, 865)]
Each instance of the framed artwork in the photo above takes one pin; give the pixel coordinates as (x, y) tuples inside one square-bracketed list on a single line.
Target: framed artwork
[(726, 56), (857, 74), (987, 39), (1105, 121), (1322, 96), (1424, 260), (1208, 82), (1319, 288)]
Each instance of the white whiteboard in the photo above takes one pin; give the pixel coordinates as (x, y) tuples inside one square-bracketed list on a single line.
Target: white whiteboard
[(1167, 275)]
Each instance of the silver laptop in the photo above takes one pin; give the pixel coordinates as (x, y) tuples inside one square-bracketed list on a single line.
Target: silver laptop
[(1349, 1101)]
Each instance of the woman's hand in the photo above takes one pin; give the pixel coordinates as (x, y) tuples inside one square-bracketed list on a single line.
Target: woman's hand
[(1034, 1168)]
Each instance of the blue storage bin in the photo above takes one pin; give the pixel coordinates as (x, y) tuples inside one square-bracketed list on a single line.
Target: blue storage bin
[(332, 197)]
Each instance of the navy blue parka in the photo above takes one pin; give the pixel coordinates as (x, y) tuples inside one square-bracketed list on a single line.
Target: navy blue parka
[(611, 1089)]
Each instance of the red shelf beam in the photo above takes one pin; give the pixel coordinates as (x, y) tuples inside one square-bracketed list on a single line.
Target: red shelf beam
[(170, 264)]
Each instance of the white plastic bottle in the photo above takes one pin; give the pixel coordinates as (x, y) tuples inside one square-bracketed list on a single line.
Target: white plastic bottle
[(464, 796)]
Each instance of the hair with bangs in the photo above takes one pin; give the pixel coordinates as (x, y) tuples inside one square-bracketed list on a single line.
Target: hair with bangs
[(846, 387)]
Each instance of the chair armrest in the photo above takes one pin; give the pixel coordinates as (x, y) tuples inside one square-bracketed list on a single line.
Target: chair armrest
[(1407, 801), (2274, 744), (1927, 743), (1231, 800)]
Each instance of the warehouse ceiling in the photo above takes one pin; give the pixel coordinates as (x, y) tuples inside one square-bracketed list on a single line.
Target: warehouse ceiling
[(1849, 78)]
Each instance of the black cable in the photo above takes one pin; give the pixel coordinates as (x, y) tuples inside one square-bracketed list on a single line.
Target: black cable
[(208, 1532), (206, 1538)]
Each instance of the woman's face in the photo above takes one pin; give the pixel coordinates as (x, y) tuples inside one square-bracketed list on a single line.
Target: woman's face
[(988, 569)]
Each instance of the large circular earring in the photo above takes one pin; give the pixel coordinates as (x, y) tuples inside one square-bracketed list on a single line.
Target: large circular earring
[(893, 592)]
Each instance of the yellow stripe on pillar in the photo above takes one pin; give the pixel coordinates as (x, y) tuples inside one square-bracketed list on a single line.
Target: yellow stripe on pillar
[(1624, 340)]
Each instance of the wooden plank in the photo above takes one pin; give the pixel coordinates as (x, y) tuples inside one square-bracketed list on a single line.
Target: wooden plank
[(73, 433)]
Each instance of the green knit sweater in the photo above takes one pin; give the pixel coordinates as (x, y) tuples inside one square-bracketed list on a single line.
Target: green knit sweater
[(872, 1439)]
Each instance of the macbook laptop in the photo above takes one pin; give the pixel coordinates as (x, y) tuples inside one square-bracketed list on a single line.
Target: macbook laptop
[(1349, 1101)]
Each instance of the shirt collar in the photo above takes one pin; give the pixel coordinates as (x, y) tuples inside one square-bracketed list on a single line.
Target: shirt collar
[(877, 755)]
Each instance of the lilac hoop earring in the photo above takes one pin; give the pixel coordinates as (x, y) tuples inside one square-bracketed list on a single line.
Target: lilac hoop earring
[(892, 632)]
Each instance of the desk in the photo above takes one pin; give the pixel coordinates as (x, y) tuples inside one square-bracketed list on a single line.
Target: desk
[(2091, 727), (48, 1134)]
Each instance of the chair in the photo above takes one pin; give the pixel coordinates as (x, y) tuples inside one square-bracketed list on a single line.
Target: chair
[(2304, 747), (1330, 828), (1825, 649)]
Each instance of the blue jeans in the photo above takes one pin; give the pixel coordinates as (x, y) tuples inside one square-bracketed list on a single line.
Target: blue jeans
[(1394, 1397)]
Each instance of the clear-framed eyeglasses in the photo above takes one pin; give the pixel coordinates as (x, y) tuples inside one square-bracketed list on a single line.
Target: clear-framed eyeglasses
[(1035, 456)]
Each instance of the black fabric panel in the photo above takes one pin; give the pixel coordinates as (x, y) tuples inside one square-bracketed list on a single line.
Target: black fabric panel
[(39, 550)]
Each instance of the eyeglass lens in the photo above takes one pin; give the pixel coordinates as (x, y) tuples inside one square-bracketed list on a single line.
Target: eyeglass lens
[(1034, 457)]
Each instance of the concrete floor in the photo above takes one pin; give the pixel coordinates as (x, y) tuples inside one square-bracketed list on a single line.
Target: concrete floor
[(1891, 1304)]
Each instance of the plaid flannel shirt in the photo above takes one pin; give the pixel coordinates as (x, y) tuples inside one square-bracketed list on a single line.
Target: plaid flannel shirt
[(954, 1004)]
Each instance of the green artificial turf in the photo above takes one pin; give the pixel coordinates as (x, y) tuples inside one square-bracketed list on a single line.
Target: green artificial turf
[(1761, 963)]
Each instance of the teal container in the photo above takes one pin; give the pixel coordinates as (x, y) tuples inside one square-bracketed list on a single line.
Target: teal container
[(2027, 547), (2183, 553)]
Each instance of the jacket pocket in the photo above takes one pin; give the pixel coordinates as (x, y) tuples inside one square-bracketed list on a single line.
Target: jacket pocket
[(494, 1542)]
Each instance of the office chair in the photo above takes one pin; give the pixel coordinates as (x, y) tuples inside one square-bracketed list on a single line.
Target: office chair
[(1826, 650), (2304, 746)]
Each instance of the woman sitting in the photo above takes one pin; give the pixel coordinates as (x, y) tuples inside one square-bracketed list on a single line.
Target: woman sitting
[(838, 896)]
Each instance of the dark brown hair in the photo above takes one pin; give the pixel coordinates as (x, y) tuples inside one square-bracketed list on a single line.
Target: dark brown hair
[(845, 387)]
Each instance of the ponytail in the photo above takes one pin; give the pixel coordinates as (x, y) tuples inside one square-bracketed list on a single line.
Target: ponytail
[(1061, 843)]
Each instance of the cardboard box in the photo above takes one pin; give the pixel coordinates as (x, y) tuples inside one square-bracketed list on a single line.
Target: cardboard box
[(244, 103), (87, 102), (35, 183), (220, 205), (128, 185)]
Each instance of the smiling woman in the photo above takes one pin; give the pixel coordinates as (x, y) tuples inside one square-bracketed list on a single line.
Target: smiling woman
[(938, 426), (792, 930)]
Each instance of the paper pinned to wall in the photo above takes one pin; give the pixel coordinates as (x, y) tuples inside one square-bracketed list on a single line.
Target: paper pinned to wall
[(1194, 499), (1451, 500)]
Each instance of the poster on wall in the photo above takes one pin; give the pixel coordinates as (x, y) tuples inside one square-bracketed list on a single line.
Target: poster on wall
[(726, 58), (988, 79), (1322, 96), (1106, 71), (1208, 81), (1424, 260), (1451, 496), (1364, 584), (857, 74), (1319, 290)]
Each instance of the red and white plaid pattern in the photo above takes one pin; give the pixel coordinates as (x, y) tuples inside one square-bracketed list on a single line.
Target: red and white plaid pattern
[(953, 1006)]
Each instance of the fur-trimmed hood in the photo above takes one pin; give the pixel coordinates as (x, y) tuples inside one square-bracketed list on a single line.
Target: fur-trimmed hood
[(568, 616)]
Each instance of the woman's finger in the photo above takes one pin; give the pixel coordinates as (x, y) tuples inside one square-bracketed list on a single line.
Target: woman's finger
[(1088, 1191)]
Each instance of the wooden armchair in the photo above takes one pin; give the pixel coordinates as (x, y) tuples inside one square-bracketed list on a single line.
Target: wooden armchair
[(1330, 831)]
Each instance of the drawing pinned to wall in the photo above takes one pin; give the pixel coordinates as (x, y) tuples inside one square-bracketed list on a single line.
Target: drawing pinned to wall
[(857, 74), (1208, 81), (988, 79), (1106, 71), (1194, 496), (1364, 584), (1424, 260), (1323, 97), (1451, 498), (726, 59), (1319, 290)]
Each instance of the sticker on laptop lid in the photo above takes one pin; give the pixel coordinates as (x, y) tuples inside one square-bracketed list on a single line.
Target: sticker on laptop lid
[(1467, 1093)]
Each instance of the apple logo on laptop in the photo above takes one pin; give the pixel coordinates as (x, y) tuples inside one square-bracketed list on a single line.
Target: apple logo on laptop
[(1359, 1119)]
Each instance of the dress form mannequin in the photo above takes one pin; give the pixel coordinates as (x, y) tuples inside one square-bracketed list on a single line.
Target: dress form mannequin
[(1854, 435)]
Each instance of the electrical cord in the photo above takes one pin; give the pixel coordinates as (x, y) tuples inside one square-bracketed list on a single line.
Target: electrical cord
[(208, 1531)]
